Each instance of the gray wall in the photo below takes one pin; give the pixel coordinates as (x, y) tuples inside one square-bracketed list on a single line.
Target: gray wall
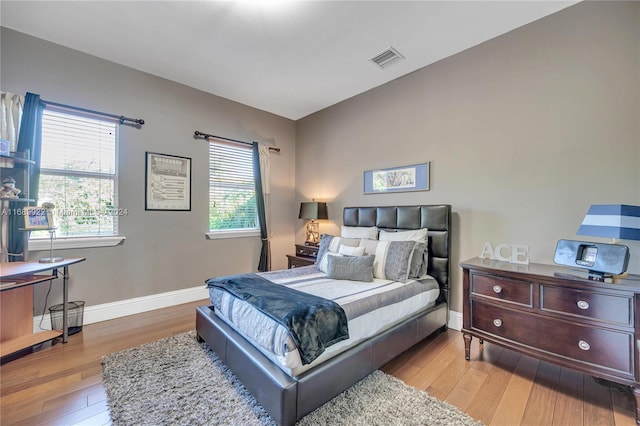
[(523, 133), (163, 251)]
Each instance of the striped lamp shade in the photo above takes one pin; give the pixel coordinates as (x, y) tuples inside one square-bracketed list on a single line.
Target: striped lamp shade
[(617, 221)]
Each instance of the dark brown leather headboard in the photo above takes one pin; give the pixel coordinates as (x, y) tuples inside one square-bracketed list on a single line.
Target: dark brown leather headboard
[(436, 218)]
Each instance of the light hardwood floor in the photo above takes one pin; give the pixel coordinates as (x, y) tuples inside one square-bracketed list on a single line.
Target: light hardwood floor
[(61, 384)]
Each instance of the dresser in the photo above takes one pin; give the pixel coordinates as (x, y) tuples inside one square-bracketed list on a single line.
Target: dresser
[(305, 255), (557, 315)]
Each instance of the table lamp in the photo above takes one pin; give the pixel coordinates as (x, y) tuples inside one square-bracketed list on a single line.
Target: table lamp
[(313, 211), (616, 221)]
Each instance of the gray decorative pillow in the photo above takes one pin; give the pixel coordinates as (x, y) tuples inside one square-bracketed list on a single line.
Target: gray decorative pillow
[(420, 261), (323, 248), (354, 268), (393, 260)]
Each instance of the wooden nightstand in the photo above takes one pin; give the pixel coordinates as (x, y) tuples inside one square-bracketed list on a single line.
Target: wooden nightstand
[(305, 255)]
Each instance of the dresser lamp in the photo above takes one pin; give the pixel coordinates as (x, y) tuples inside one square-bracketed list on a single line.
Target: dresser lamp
[(313, 211), (615, 221)]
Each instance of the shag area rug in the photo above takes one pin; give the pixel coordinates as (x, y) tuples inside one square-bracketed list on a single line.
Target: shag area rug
[(178, 381)]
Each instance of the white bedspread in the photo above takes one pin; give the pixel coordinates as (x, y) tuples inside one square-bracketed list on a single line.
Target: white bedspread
[(370, 307)]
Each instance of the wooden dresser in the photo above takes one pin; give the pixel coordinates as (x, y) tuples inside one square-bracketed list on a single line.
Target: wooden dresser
[(550, 313)]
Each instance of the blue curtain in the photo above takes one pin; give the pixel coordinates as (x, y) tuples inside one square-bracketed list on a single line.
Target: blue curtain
[(263, 264), (29, 139)]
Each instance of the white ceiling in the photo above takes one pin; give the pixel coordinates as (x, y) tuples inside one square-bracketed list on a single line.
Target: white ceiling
[(291, 58)]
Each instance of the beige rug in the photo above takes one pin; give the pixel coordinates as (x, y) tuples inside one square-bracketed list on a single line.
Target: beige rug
[(178, 381)]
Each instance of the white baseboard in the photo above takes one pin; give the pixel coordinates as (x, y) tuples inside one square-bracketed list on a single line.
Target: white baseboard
[(123, 308), (455, 320)]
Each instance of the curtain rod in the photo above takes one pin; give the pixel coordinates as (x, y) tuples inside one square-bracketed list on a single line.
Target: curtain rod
[(198, 134), (121, 118)]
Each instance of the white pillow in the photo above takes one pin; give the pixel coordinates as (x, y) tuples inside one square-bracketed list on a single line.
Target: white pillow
[(412, 235), (330, 243), (369, 245), (370, 232), (351, 251)]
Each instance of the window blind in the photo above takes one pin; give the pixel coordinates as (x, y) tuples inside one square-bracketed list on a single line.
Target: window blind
[(232, 201), (79, 173)]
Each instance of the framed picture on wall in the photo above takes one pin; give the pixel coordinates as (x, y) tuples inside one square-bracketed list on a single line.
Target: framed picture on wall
[(167, 182), (414, 177)]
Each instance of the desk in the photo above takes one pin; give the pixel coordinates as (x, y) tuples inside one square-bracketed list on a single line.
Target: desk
[(16, 303)]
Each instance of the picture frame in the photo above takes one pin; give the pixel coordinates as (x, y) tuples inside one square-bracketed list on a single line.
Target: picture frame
[(167, 182), (37, 218), (414, 177)]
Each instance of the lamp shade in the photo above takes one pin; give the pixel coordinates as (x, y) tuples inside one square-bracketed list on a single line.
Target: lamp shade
[(618, 221), (313, 210)]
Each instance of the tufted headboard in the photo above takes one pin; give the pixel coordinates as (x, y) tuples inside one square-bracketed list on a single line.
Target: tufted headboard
[(436, 218)]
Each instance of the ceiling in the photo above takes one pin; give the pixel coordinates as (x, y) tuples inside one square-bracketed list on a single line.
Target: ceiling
[(290, 58)]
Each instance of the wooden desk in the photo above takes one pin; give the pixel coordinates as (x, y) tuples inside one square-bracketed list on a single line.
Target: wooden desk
[(16, 303)]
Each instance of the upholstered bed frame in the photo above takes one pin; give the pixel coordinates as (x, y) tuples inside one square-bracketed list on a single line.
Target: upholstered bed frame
[(287, 398)]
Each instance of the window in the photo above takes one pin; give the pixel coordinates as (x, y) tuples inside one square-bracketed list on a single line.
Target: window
[(79, 174), (232, 197)]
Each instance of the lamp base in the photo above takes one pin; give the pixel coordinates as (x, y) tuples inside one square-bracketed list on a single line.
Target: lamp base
[(311, 243), (51, 259), (313, 236)]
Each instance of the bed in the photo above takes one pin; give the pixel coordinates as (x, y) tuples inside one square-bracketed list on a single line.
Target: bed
[(287, 389)]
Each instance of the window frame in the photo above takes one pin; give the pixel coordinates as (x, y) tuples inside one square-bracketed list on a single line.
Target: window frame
[(84, 241), (233, 232)]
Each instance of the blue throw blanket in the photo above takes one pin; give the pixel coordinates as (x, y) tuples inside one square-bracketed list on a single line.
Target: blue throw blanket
[(313, 322)]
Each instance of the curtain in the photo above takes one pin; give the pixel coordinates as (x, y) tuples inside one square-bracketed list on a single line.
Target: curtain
[(11, 106), (264, 263), (29, 140), (265, 175)]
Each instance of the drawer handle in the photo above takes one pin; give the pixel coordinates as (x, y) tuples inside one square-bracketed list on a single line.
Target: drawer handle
[(497, 322), (582, 304), (497, 288), (584, 345)]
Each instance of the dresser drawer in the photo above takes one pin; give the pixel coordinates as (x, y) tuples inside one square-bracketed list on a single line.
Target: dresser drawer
[(513, 291), (579, 344), (309, 251), (587, 304)]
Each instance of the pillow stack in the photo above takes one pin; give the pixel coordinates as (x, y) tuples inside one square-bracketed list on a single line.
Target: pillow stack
[(359, 255)]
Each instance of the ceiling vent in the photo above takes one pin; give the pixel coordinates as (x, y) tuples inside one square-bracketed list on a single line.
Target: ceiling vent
[(387, 57)]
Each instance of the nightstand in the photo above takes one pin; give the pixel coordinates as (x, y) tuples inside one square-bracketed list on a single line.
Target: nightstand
[(305, 255)]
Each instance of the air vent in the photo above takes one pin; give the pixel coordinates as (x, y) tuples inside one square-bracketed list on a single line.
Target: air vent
[(387, 57)]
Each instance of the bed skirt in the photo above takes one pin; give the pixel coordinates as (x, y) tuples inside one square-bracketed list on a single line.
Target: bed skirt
[(287, 398)]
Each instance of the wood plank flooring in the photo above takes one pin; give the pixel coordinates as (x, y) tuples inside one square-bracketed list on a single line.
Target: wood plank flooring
[(61, 384)]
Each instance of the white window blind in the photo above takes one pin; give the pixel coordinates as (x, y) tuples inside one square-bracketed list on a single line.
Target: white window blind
[(79, 174), (232, 197)]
